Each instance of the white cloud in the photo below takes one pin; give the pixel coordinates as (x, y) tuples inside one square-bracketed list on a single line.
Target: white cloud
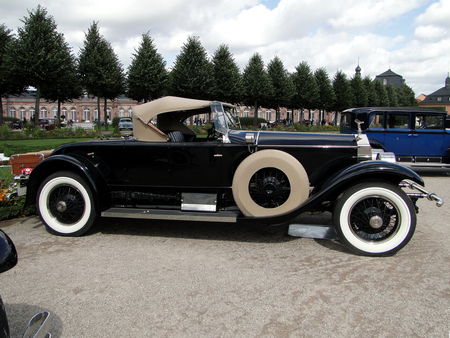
[(366, 13), (430, 32), (331, 34)]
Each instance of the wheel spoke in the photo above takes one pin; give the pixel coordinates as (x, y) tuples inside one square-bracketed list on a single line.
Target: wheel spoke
[(373, 209), (269, 187)]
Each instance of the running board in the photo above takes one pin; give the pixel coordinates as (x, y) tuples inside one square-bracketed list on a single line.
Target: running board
[(312, 231), (175, 215)]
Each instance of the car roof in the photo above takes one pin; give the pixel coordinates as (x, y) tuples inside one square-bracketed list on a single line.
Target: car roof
[(179, 108), (149, 110), (395, 109)]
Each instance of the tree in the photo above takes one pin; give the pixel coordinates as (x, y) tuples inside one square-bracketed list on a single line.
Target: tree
[(100, 70), (383, 99), (392, 95), (306, 91), (9, 82), (227, 80), (359, 91), (37, 56), (67, 85), (372, 96), (191, 75), (326, 92), (283, 88), (257, 86), (147, 75), (406, 96), (343, 92)]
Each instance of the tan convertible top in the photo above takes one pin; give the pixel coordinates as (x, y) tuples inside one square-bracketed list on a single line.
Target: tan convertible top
[(144, 130)]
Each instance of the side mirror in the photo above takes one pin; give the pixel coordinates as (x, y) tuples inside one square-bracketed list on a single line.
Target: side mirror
[(8, 253)]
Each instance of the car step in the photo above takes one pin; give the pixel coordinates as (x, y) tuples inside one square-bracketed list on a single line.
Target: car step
[(312, 231), (223, 216)]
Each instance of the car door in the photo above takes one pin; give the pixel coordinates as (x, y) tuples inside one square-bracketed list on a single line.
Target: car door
[(376, 131), (196, 164), (428, 137), (399, 135), (144, 164)]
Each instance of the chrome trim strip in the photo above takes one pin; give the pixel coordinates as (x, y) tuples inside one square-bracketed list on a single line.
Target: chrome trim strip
[(305, 146), (224, 216)]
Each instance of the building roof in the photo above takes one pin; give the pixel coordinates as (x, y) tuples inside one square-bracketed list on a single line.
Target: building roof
[(443, 93), (387, 73)]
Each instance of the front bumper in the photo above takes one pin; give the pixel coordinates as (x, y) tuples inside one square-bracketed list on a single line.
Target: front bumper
[(422, 192)]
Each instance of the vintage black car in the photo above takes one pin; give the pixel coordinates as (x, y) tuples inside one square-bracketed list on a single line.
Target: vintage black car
[(167, 172)]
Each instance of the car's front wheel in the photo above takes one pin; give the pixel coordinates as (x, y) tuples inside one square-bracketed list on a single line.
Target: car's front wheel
[(374, 219), (65, 204)]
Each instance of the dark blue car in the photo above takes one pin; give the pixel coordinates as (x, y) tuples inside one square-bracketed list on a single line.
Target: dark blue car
[(416, 136)]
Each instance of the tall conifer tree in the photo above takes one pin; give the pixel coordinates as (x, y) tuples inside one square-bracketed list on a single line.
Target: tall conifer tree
[(147, 75), (306, 94), (283, 88), (227, 81), (37, 55), (191, 75), (257, 86)]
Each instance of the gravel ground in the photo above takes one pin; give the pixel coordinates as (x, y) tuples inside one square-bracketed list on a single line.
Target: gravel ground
[(154, 279)]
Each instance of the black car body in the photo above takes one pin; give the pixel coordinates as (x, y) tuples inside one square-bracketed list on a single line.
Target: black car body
[(261, 177)]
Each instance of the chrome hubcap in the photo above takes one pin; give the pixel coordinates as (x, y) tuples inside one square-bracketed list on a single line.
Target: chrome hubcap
[(61, 206), (376, 222)]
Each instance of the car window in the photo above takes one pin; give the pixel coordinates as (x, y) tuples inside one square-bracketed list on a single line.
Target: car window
[(346, 119), (377, 121), (429, 121), (398, 121)]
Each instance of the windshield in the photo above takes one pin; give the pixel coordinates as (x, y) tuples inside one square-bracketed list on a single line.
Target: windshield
[(224, 117)]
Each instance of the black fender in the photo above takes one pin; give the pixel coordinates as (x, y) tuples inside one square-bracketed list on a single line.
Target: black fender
[(329, 191), (77, 164)]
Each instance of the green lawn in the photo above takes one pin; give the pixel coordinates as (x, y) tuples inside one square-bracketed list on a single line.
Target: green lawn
[(5, 174), (11, 147)]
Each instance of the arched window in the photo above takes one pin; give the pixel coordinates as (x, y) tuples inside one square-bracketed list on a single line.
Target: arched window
[(130, 112), (86, 115), (64, 113), (21, 113), (12, 112), (31, 112), (73, 114), (121, 112), (54, 112), (43, 114), (108, 112)]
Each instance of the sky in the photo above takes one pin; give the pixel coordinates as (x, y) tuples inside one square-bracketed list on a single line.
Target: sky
[(411, 37)]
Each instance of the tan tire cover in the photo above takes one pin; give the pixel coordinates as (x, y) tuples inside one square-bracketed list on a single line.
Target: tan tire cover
[(292, 168)]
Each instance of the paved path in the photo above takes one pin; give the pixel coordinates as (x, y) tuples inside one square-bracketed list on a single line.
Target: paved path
[(153, 279)]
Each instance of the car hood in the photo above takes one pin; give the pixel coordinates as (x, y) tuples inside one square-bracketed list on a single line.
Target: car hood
[(293, 138)]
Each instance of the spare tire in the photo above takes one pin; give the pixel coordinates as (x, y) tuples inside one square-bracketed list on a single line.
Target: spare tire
[(269, 183)]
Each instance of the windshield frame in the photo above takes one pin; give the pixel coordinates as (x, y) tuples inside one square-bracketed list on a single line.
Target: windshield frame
[(224, 120)]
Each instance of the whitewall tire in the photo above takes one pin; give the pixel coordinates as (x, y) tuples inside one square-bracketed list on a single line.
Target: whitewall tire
[(65, 205), (375, 219)]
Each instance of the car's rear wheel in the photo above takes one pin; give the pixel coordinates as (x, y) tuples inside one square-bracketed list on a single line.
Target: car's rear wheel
[(65, 204), (269, 183), (375, 219)]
